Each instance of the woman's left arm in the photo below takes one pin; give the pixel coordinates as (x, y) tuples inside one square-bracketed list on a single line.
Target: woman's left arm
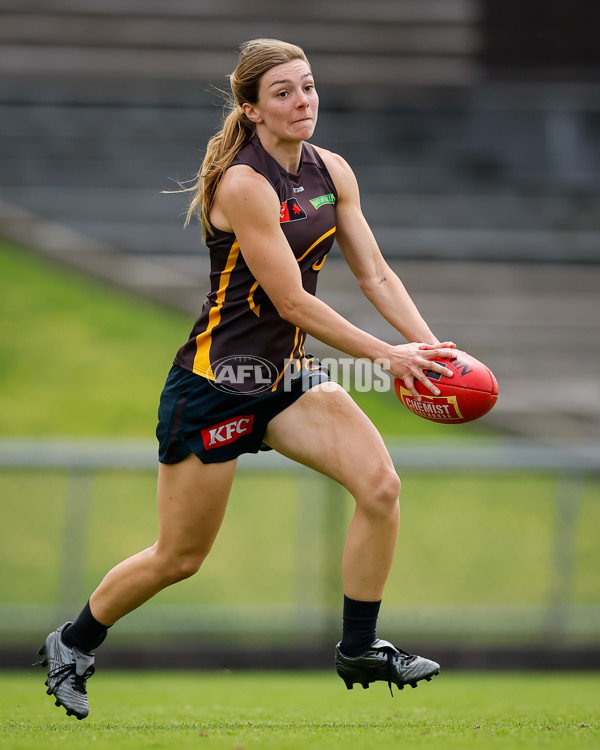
[(362, 254)]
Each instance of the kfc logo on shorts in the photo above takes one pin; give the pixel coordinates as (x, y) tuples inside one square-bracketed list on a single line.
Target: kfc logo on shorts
[(226, 432)]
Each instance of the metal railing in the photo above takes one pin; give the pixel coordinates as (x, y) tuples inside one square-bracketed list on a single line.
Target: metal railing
[(314, 538)]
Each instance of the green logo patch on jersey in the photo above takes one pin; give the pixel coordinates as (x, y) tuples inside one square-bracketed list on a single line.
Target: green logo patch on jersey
[(322, 200)]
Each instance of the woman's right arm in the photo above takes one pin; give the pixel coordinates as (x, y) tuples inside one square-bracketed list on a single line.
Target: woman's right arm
[(247, 204)]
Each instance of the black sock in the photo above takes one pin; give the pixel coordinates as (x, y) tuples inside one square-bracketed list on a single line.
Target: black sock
[(86, 633), (360, 623)]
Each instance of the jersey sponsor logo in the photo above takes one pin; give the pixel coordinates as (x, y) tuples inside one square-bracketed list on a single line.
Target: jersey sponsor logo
[(322, 200), (299, 189), (291, 210), (227, 432)]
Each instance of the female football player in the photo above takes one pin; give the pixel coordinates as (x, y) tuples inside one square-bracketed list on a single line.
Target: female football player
[(270, 205)]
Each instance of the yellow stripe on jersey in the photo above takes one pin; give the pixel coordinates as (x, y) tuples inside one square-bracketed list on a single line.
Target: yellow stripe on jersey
[(314, 244), (316, 266), (204, 339), (289, 360), (255, 308)]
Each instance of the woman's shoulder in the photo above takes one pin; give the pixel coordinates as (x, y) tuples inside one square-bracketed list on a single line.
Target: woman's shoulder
[(244, 194), (339, 170), (335, 163), (242, 179)]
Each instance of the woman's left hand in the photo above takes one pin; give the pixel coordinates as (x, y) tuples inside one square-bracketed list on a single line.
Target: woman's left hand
[(414, 359)]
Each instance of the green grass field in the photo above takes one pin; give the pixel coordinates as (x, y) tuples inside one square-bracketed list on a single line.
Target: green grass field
[(79, 359), (306, 711)]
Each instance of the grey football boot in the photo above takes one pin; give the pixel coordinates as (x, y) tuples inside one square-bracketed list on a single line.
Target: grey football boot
[(384, 662), (68, 672)]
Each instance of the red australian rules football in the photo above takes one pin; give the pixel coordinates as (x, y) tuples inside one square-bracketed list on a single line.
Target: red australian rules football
[(469, 394)]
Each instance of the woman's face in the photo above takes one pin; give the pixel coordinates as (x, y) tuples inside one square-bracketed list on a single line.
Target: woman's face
[(287, 104)]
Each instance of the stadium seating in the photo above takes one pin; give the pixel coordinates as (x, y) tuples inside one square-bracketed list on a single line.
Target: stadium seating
[(105, 104)]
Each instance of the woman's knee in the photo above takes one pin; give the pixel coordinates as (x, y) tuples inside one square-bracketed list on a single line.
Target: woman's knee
[(387, 488), (177, 567), (380, 493)]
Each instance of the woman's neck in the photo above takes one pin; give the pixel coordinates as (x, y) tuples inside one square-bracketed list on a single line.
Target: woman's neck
[(286, 153)]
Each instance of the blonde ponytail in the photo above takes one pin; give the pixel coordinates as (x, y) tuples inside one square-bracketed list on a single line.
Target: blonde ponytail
[(256, 58), (221, 150)]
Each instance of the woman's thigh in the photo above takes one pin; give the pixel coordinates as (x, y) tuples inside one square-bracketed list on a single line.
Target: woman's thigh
[(326, 430), (192, 499)]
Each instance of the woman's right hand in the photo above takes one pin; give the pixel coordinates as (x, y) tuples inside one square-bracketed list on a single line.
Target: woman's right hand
[(410, 361)]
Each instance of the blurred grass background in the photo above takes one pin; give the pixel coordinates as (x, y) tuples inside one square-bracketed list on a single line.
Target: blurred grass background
[(446, 558), (79, 359)]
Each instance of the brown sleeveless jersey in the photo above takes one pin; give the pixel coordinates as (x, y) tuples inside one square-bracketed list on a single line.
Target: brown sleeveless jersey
[(238, 319)]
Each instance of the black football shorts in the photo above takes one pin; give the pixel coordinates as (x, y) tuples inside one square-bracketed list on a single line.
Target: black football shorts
[(195, 416)]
